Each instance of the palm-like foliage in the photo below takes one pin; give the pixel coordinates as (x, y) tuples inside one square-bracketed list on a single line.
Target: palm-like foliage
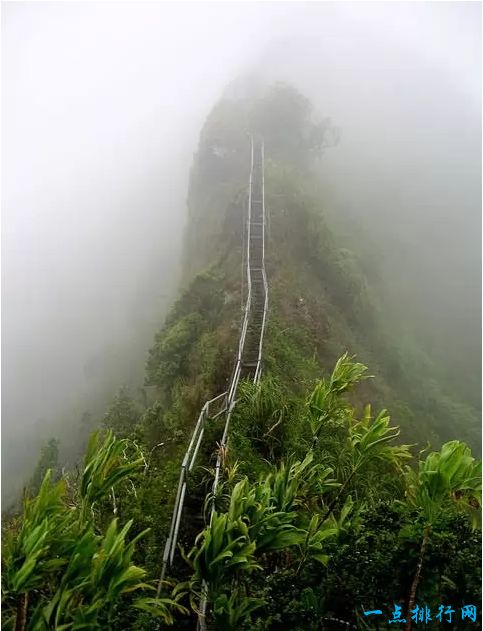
[(59, 572), (219, 499), (231, 610), (302, 505), (298, 483), (221, 550), (451, 475), (30, 552), (312, 546), (262, 517), (99, 572), (268, 527), (369, 441), (106, 464), (325, 403), (448, 477)]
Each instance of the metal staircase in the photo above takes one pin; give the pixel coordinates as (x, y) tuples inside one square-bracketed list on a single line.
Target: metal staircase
[(248, 363), (252, 352)]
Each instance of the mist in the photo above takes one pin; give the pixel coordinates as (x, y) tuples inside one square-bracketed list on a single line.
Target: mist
[(101, 113), (403, 83), (102, 109)]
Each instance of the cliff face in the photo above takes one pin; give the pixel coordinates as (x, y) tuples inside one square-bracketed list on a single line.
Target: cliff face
[(324, 299), (217, 188)]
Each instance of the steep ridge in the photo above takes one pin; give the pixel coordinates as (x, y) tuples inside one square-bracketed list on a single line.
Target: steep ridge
[(322, 305), (322, 302), (247, 364), (260, 430)]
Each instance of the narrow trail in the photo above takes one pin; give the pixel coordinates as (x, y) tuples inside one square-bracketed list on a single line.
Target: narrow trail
[(248, 364)]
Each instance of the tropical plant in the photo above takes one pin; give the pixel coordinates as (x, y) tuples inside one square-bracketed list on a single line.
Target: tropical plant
[(300, 482), (312, 546), (231, 610), (108, 461), (59, 572), (325, 404), (269, 526), (225, 549), (368, 442), (262, 518), (31, 554), (448, 477)]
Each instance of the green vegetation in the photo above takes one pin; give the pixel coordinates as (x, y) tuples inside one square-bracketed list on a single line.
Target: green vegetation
[(323, 508), (338, 497), (63, 568), (291, 522)]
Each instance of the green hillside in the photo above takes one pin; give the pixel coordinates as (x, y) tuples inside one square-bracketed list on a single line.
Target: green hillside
[(328, 506)]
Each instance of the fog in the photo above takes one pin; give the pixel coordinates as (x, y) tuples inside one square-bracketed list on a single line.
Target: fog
[(102, 105), (102, 108), (403, 82)]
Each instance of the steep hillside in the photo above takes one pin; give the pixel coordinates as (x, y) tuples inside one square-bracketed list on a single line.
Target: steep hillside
[(324, 511), (324, 297)]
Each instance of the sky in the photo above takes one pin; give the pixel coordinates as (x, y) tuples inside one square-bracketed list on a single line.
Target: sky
[(102, 106)]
